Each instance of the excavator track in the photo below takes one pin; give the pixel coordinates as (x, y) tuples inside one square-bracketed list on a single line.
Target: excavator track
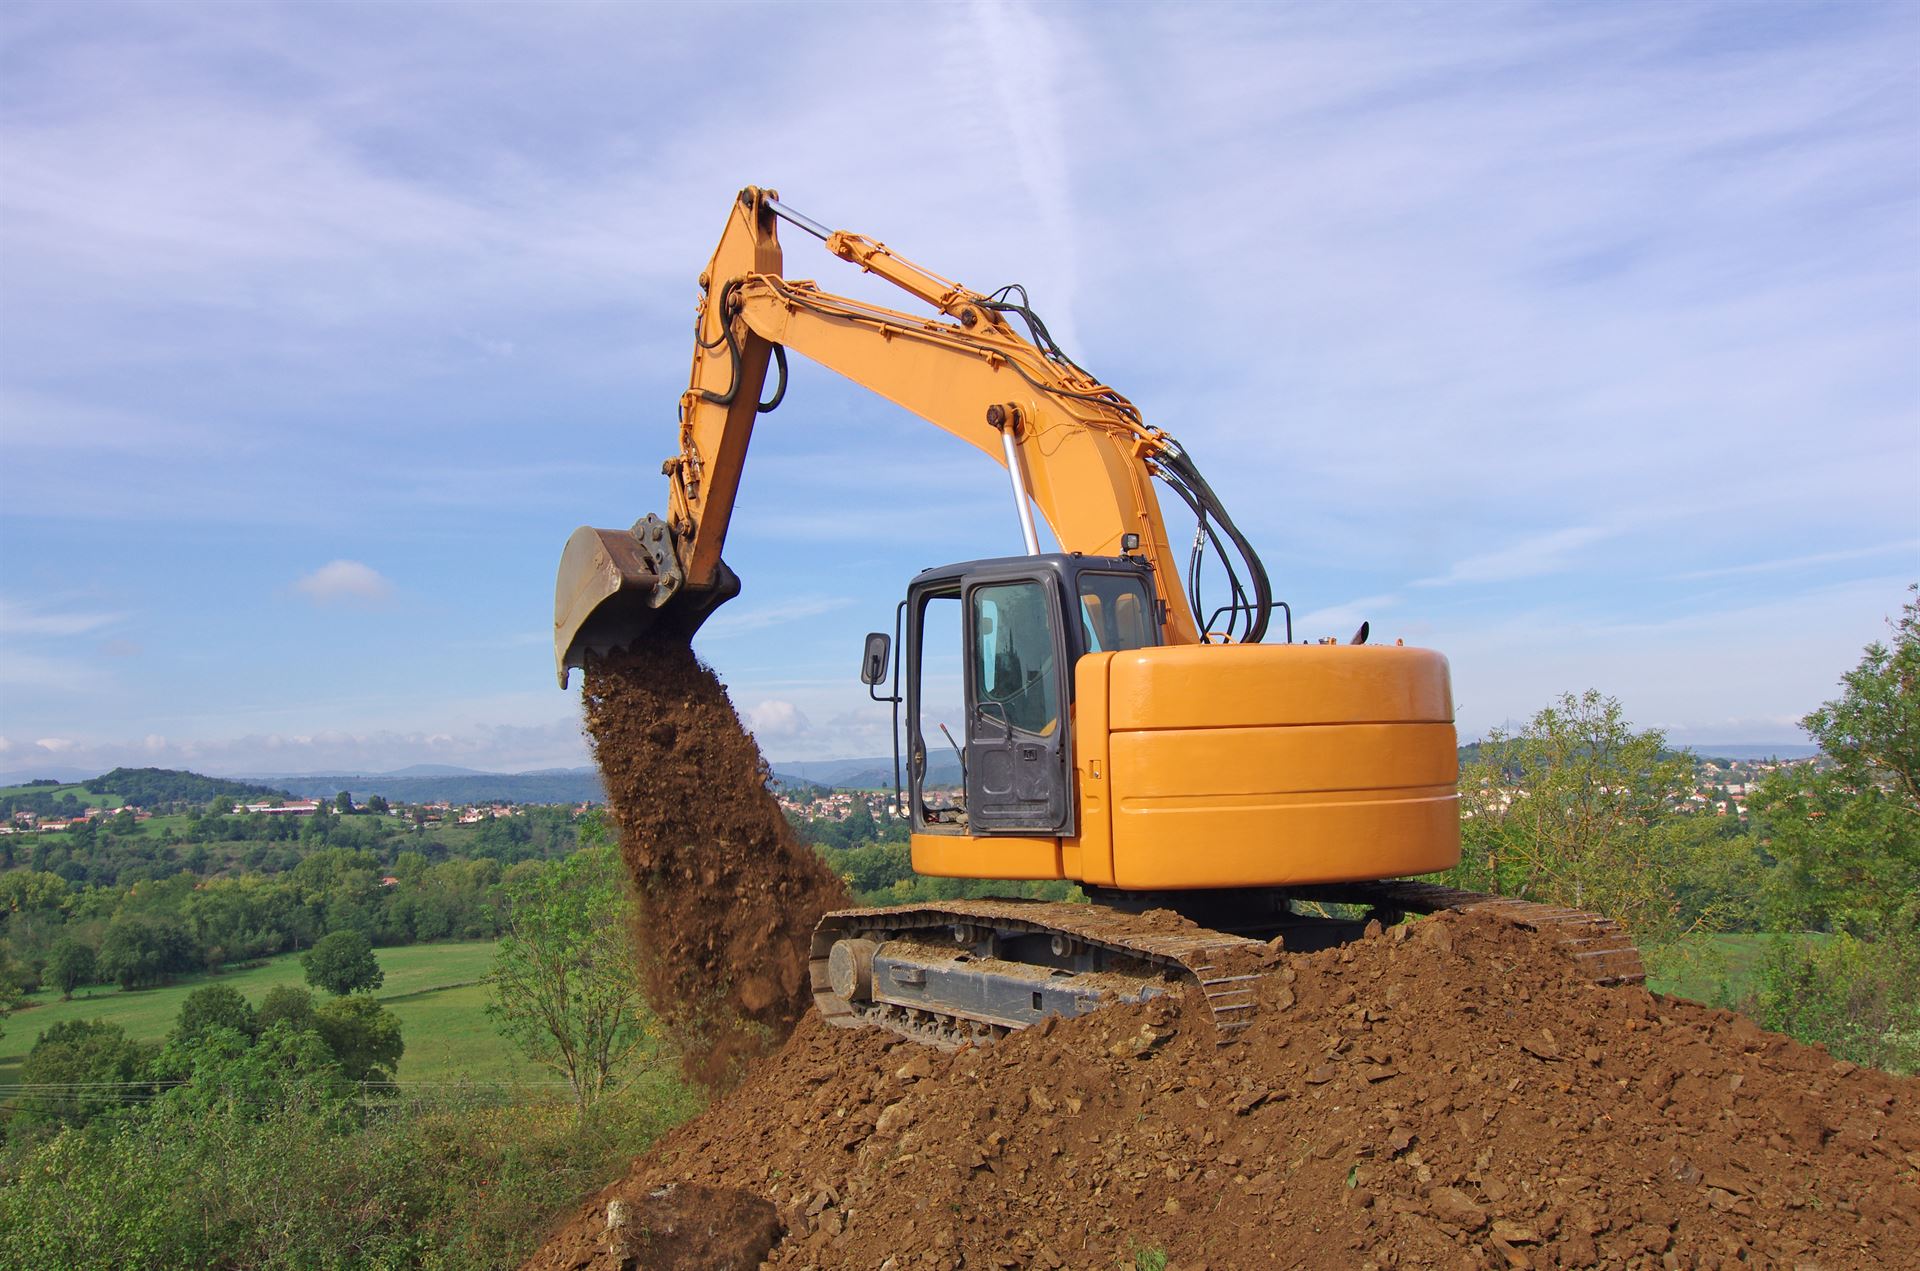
[(949, 973), (1011, 963)]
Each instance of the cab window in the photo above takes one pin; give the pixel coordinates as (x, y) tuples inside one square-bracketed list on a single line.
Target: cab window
[(1115, 613), (1014, 668)]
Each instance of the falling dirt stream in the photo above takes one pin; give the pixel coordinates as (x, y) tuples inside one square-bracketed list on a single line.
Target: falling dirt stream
[(726, 896)]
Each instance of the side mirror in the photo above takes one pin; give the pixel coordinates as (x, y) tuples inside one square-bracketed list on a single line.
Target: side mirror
[(877, 658)]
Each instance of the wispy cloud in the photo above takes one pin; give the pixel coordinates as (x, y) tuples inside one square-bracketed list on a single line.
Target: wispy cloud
[(1529, 558), (19, 619), (1020, 64), (728, 622), (1781, 563), (487, 747), (345, 582)]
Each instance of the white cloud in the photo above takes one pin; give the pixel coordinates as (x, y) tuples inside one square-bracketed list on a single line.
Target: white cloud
[(1341, 620), (774, 721), (344, 581), (55, 745), (38, 421)]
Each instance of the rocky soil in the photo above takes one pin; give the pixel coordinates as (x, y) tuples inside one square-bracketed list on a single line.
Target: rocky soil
[(1448, 1093)]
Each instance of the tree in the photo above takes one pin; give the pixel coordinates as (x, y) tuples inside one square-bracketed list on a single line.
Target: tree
[(70, 964), (860, 823), (343, 963), (363, 1035), (228, 1074), (343, 803), (564, 985), (287, 1004), (139, 950), (377, 805), (10, 988), (80, 1069), (1578, 808), (1846, 830), (215, 1006), (1845, 833)]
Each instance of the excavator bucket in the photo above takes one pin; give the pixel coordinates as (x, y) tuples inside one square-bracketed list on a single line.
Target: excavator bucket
[(616, 586)]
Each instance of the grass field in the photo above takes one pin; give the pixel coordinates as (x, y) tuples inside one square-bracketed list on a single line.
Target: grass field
[(433, 988), (1720, 970)]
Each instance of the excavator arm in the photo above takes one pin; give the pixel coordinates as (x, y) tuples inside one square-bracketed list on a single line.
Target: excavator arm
[(1079, 448)]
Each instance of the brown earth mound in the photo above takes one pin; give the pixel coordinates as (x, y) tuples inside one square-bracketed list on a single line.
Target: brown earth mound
[(726, 896), (1446, 1094)]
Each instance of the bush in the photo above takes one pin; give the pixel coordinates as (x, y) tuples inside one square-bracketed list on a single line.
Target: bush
[(215, 1006), (83, 1068), (288, 1003), (363, 1035), (455, 1180), (1859, 998)]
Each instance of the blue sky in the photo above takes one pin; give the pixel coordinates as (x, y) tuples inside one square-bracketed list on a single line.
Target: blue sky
[(1577, 341)]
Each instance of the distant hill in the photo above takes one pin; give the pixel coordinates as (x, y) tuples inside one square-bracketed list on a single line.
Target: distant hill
[(1752, 750), (137, 787), (458, 785), (943, 766)]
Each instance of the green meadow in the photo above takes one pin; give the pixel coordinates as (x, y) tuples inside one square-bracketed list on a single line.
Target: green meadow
[(435, 989), (1717, 969)]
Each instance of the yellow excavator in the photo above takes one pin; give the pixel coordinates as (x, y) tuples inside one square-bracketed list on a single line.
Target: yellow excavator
[(1115, 734)]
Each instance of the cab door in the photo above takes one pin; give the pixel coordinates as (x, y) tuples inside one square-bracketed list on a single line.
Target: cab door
[(1019, 778)]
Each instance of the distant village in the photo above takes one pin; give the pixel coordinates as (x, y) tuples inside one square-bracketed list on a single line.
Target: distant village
[(440, 813), (823, 804), (1721, 786)]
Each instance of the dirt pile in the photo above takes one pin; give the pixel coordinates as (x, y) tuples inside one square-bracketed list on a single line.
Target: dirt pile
[(1445, 1094), (726, 895)]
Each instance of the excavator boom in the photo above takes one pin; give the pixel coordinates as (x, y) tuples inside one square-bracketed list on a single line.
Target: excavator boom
[(1078, 448)]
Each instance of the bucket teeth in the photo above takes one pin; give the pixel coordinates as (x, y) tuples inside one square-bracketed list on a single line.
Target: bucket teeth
[(615, 586)]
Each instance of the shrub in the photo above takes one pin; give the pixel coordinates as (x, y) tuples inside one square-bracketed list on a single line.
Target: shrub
[(1859, 998)]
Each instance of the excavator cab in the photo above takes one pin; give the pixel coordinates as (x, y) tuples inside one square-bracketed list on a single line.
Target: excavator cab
[(1006, 634)]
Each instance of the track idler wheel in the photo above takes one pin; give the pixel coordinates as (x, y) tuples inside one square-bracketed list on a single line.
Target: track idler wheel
[(850, 969)]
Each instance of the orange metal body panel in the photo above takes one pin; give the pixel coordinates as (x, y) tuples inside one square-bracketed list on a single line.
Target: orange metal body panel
[(1245, 766), (957, 856)]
